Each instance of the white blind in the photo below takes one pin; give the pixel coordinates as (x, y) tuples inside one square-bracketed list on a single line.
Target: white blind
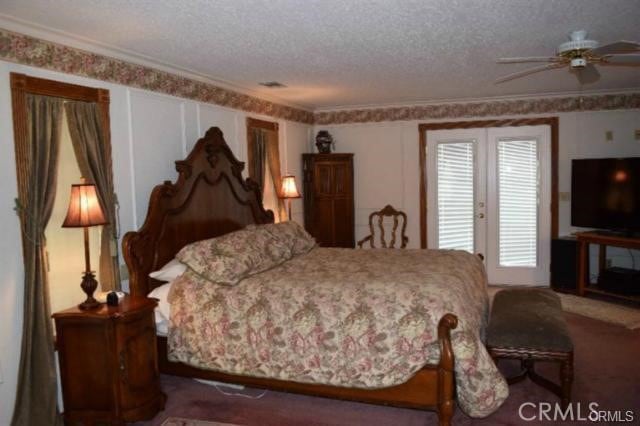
[(518, 202), (455, 195)]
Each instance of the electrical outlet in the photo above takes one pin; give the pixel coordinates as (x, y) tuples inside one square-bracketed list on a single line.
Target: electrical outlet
[(565, 196), (608, 135)]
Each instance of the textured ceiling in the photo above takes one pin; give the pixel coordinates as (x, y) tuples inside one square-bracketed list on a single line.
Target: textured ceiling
[(334, 53)]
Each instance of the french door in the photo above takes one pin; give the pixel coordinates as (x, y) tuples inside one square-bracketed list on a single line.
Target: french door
[(489, 192)]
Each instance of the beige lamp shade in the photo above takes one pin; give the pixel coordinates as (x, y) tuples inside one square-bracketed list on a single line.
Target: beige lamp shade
[(84, 207), (289, 188)]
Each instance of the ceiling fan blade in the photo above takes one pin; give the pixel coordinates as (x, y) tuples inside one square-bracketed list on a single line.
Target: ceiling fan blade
[(588, 74), (622, 60), (529, 71), (530, 59), (621, 46)]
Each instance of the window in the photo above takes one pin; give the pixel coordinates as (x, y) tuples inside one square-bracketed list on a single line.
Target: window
[(455, 195), (518, 184)]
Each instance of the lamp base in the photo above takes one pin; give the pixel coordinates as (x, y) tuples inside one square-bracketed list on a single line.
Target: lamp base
[(89, 285)]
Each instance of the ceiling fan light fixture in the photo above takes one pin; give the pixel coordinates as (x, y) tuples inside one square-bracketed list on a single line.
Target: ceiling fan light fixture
[(580, 55), (577, 44), (578, 63)]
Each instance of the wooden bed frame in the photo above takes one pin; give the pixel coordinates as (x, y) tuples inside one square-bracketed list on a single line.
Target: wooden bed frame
[(210, 199)]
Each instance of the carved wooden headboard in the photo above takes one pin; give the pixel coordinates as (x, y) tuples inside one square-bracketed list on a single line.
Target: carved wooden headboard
[(209, 199)]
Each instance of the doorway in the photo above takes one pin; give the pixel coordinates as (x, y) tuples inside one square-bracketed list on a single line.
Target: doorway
[(490, 192)]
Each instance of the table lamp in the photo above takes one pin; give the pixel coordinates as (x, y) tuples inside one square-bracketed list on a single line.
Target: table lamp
[(85, 211), (289, 190)]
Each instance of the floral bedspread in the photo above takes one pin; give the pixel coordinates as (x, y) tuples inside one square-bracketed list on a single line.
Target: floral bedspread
[(342, 317)]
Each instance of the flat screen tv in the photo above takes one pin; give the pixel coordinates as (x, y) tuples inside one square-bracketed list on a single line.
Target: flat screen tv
[(605, 194)]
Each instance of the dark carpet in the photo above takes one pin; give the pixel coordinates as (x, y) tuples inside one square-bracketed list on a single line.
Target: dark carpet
[(607, 371)]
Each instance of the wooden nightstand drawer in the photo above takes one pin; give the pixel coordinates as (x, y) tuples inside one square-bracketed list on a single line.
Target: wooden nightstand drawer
[(108, 362)]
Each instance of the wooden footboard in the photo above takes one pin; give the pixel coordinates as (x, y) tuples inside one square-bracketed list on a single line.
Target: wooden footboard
[(431, 388)]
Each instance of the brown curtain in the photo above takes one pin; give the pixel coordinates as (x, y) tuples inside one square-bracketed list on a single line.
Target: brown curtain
[(257, 155), (36, 394), (273, 162), (94, 159)]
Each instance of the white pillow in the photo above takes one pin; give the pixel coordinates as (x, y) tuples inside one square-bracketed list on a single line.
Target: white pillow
[(163, 311), (170, 271)]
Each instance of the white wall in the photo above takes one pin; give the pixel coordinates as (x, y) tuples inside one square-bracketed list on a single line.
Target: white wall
[(386, 170), (387, 162), (149, 132)]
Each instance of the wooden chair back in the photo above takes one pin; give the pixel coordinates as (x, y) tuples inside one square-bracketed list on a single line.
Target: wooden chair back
[(379, 216)]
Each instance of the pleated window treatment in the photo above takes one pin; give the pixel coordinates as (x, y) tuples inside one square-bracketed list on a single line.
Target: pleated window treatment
[(258, 156), (36, 401), (263, 155), (94, 160)]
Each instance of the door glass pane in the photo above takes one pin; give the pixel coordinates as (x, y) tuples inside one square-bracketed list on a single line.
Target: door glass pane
[(518, 202), (455, 195)]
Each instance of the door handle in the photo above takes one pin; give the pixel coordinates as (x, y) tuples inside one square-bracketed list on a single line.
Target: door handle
[(480, 255)]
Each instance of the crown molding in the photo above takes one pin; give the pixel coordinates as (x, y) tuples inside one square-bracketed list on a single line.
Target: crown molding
[(38, 52), (448, 101), (491, 107)]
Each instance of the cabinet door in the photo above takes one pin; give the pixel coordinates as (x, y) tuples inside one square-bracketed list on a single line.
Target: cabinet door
[(329, 202), (84, 351), (323, 180), (343, 222), (139, 380), (324, 222), (341, 175)]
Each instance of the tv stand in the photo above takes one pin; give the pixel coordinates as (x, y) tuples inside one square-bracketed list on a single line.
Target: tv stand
[(622, 234), (604, 239)]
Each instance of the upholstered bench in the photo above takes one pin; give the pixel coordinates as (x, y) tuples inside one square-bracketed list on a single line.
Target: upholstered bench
[(528, 324)]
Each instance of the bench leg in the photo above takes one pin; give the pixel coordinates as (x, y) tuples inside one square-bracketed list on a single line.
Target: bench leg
[(525, 366), (566, 380)]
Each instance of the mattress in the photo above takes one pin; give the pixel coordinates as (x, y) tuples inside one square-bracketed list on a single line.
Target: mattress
[(163, 309), (342, 317)]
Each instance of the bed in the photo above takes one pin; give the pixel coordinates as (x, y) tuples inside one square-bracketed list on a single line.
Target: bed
[(211, 199)]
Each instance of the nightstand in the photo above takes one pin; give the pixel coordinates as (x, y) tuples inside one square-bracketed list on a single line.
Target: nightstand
[(108, 363)]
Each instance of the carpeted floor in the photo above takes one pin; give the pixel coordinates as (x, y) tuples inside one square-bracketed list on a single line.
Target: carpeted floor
[(614, 313), (609, 312), (607, 371), (179, 421)]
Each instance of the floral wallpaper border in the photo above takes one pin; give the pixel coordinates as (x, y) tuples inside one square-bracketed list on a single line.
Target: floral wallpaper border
[(481, 109), (27, 50), (40, 53)]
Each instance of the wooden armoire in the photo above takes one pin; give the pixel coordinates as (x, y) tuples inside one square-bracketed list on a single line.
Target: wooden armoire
[(328, 199)]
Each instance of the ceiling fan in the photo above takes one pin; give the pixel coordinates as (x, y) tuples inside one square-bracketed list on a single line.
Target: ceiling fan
[(581, 55)]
